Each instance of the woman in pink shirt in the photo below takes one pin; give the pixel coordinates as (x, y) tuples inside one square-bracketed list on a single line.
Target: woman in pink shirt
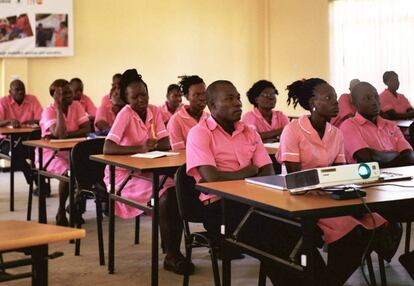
[(106, 101), (64, 118), (173, 103), (139, 128), (268, 122), (311, 142), (346, 107), (194, 89), (76, 85)]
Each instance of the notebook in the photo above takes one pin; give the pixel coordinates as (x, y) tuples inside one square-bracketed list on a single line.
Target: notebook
[(154, 154)]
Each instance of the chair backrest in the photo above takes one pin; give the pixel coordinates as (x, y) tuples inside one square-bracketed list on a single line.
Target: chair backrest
[(87, 172), (189, 206)]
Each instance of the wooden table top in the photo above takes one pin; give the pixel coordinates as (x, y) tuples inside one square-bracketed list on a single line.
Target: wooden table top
[(141, 164), (10, 130), (57, 145), (19, 234), (299, 205)]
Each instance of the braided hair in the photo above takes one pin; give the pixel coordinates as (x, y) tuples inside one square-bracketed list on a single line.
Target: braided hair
[(301, 91), (128, 77), (257, 88), (187, 81)]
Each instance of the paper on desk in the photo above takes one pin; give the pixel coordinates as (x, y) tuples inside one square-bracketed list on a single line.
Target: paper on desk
[(275, 145), (154, 154), (403, 123)]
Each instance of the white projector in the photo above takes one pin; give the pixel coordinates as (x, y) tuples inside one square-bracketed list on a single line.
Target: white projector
[(302, 181)]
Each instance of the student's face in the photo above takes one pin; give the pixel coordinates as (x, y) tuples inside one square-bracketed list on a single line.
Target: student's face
[(116, 100), (17, 91), (393, 83), (324, 101), (227, 105), (137, 96), (115, 81), (267, 98), (197, 96), (67, 95), (174, 98), (367, 100), (77, 89)]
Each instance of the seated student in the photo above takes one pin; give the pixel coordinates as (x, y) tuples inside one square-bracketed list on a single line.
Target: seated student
[(105, 116), (77, 87), (269, 123), (17, 109), (311, 142), (394, 105), (173, 103), (64, 118), (194, 89), (138, 128), (346, 107), (106, 101)]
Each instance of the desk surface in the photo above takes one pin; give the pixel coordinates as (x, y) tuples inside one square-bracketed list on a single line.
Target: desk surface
[(311, 203), (61, 145), (20, 234), (8, 130), (141, 164)]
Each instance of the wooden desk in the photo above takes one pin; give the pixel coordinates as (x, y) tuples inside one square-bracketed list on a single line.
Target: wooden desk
[(308, 208), (34, 238), (14, 134), (165, 166), (60, 145)]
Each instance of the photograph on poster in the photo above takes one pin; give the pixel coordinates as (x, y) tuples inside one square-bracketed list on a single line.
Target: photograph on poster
[(15, 27), (52, 30)]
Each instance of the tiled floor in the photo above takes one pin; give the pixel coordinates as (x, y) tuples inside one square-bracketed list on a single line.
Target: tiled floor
[(133, 261)]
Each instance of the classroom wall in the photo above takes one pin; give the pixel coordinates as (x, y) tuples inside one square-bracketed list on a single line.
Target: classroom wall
[(239, 40)]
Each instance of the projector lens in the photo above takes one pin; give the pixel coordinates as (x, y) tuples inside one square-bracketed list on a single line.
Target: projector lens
[(364, 171)]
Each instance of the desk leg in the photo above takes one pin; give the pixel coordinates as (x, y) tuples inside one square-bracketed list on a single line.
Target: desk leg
[(309, 230), (226, 261), (71, 193), (155, 219), (40, 265), (41, 186), (12, 166), (111, 232)]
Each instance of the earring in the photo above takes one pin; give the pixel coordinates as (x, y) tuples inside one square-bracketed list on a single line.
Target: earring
[(313, 108)]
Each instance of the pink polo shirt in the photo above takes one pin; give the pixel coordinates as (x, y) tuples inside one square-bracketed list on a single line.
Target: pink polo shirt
[(129, 130), (208, 144), (346, 107), (360, 133), (301, 143), (30, 109), (389, 101), (106, 100), (105, 113), (88, 105), (179, 125), (165, 113), (255, 118)]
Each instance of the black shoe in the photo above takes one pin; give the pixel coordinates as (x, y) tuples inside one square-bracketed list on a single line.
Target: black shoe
[(390, 238), (48, 191), (181, 266), (62, 220), (407, 261), (232, 253)]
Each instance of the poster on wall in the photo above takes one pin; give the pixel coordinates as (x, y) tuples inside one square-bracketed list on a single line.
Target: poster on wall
[(36, 28)]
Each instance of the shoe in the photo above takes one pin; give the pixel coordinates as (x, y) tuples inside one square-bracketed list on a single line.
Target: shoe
[(61, 220), (390, 240), (181, 266), (232, 253), (48, 192), (407, 261)]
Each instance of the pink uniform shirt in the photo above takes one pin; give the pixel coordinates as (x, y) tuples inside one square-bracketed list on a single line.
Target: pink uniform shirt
[(255, 118), (346, 107), (106, 100), (129, 130), (301, 143), (165, 113), (178, 127), (105, 113), (360, 133), (75, 117), (209, 145), (88, 105), (389, 101), (30, 109)]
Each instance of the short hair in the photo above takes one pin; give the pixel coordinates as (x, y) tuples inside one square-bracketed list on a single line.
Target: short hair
[(128, 77), (387, 75), (187, 81), (173, 86), (353, 83), (117, 75), (257, 88), (356, 88), (212, 89), (301, 91), (77, 80), (57, 83), (16, 81)]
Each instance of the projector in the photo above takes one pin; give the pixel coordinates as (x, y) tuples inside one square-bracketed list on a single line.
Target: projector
[(302, 181)]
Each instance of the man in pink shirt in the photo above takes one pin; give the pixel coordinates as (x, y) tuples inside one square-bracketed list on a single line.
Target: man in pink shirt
[(106, 101), (194, 90), (17, 109), (173, 103), (346, 107), (77, 87)]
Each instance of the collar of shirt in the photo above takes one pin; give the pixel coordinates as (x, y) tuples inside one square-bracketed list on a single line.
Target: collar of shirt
[(13, 102), (212, 124), (149, 118), (361, 120), (183, 113)]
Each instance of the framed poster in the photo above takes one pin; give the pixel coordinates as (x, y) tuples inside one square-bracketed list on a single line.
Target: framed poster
[(36, 28)]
